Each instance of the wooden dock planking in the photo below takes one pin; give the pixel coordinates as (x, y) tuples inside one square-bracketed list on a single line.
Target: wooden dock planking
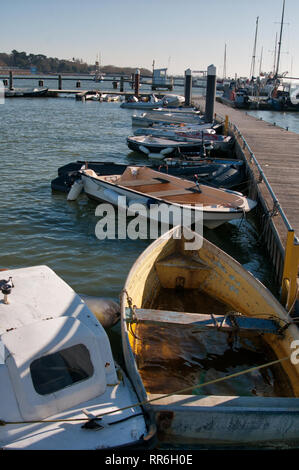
[(277, 151)]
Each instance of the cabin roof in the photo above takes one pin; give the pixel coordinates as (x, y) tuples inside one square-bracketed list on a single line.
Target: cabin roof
[(39, 294)]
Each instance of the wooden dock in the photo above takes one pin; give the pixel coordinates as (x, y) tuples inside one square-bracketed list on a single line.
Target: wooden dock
[(277, 151), (272, 156)]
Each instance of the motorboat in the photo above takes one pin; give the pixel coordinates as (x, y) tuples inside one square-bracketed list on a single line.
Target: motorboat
[(216, 172), (151, 102), (25, 92), (148, 187), (159, 147), (149, 118), (61, 388), (209, 348)]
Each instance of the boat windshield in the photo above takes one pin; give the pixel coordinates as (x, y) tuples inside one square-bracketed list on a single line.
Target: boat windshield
[(56, 371)]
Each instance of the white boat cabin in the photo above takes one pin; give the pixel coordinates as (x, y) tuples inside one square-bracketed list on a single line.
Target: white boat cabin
[(54, 354)]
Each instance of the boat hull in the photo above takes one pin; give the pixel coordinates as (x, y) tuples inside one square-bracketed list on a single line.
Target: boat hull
[(103, 191), (174, 148), (214, 421)]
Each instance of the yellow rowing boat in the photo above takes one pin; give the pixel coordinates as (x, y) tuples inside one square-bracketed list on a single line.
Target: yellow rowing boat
[(209, 348)]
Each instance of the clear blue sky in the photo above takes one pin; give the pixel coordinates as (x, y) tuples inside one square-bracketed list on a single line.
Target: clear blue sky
[(177, 34)]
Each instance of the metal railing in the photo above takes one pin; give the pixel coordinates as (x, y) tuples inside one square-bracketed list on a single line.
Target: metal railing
[(289, 284)]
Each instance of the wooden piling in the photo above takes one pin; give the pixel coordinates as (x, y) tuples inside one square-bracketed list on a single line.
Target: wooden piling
[(10, 80), (121, 86), (211, 93), (59, 82), (188, 87), (137, 82)]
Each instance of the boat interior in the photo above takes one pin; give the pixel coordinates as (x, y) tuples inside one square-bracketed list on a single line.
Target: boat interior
[(170, 188), (195, 320)]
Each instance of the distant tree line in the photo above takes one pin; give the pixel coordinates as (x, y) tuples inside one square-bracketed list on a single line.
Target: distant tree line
[(44, 64)]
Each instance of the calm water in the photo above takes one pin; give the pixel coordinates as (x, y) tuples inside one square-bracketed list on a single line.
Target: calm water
[(40, 227)]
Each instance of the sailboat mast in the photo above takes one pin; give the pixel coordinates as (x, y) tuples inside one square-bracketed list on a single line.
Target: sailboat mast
[(254, 50), (279, 43), (261, 59), (275, 49), (224, 63)]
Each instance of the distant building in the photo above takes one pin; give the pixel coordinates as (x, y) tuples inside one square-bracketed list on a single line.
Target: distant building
[(160, 80)]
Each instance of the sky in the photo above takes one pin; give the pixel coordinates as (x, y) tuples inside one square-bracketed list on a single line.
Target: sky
[(177, 34)]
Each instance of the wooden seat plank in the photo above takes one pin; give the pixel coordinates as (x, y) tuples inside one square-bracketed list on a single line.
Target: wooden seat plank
[(203, 321)]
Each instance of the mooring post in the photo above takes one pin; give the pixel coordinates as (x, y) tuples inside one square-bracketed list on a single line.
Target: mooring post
[(137, 82), (59, 82), (211, 93), (188, 87), (132, 81), (121, 85), (10, 80)]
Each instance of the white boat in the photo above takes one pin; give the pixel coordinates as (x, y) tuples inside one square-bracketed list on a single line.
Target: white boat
[(110, 98), (60, 386), (159, 147), (167, 117), (149, 187), (92, 96), (208, 137), (25, 92), (209, 347), (152, 102)]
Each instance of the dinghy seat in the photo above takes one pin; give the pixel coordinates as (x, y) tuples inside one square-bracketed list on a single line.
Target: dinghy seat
[(140, 182), (177, 266), (225, 323), (171, 192)]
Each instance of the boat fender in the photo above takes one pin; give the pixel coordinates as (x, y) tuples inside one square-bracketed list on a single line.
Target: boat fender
[(144, 149), (166, 151), (113, 197), (106, 310), (75, 190)]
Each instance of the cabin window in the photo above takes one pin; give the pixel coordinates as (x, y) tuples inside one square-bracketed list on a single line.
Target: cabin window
[(61, 369)]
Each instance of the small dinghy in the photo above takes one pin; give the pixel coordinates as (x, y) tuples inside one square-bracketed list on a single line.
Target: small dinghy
[(60, 386), (159, 147), (150, 102), (149, 187), (224, 173), (167, 117), (218, 143), (208, 346), (25, 92)]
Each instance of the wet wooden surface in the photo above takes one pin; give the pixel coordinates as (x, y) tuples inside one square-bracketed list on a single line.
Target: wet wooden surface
[(277, 151)]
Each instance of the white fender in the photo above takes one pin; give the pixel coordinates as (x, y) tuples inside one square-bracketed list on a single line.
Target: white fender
[(294, 96), (106, 310), (167, 150), (75, 190), (144, 149), (112, 196)]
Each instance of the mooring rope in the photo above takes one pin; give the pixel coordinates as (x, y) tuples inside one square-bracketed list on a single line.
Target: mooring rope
[(146, 402)]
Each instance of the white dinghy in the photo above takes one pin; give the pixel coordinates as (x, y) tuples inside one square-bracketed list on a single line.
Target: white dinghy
[(148, 187), (59, 382)]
